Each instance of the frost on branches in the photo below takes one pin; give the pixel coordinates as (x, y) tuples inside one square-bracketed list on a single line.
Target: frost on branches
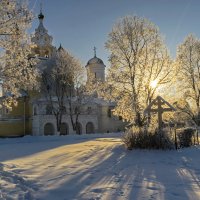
[(140, 64), (63, 88), (17, 68), (188, 77)]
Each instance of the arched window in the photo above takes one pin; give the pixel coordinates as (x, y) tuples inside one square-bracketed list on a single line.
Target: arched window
[(120, 118), (89, 110), (64, 110), (49, 110), (47, 54), (7, 111), (109, 113), (48, 129), (89, 128), (35, 110)]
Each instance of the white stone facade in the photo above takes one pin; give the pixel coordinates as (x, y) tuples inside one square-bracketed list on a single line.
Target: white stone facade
[(39, 122), (99, 116)]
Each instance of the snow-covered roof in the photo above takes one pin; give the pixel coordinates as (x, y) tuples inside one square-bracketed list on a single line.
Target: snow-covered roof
[(103, 102), (89, 100)]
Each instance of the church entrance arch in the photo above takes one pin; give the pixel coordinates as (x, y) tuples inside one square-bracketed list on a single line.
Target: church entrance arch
[(48, 129), (89, 128), (64, 129)]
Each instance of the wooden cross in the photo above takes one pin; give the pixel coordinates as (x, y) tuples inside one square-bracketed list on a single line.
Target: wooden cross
[(159, 102)]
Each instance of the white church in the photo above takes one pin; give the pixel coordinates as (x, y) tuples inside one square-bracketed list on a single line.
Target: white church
[(97, 116)]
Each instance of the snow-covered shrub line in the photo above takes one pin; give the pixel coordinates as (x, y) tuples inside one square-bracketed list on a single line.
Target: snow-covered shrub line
[(187, 137), (139, 138)]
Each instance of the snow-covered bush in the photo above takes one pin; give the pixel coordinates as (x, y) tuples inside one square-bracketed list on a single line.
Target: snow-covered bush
[(186, 137), (139, 138)]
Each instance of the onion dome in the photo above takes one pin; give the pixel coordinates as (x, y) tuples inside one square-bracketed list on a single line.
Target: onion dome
[(95, 60), (41, 16)]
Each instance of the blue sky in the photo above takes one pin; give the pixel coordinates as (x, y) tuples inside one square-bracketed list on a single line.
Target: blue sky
[(82, 24)]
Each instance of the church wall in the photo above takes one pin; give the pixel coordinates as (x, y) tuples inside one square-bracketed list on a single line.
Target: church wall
[(109, 124), (39, 122), (98, 69), (12, 121), (11, 128), (18, 110)]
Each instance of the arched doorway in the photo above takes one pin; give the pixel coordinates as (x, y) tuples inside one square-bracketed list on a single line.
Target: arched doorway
[(64, 130), (89, 128), (48, 129), (79, 129)]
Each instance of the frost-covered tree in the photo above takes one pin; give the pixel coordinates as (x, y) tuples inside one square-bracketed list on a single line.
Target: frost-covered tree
[(188, 77), (62, 86), (140, 64), (17, 69)]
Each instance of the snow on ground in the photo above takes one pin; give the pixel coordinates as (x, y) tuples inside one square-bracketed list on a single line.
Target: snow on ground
[(95, 167)]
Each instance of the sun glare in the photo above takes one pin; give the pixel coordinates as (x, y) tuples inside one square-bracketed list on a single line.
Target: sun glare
[(154, 83)]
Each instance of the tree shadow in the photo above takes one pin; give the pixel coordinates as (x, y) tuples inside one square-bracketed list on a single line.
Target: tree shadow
[(166, 175), (126, 175), (14, 148), (102, 169)]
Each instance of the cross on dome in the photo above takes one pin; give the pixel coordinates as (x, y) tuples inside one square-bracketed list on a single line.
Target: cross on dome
[(95, 51), (95, 59), (41, 7), (41, 16)]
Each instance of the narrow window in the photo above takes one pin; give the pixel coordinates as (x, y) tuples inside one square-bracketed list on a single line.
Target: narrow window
[(35, 111), (109, 114), (49, 110), (89, 109)]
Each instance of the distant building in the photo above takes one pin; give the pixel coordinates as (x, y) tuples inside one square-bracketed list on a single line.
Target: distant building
[(33, 115)]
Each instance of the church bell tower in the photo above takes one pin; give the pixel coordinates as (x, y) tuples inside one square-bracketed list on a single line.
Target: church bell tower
[(42, 40), (95, 68)]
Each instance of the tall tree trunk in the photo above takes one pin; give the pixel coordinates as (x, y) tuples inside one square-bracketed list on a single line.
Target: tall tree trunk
[(58, 123)]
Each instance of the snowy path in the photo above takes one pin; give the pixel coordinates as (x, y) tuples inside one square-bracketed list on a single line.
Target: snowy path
[(95, 168)]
